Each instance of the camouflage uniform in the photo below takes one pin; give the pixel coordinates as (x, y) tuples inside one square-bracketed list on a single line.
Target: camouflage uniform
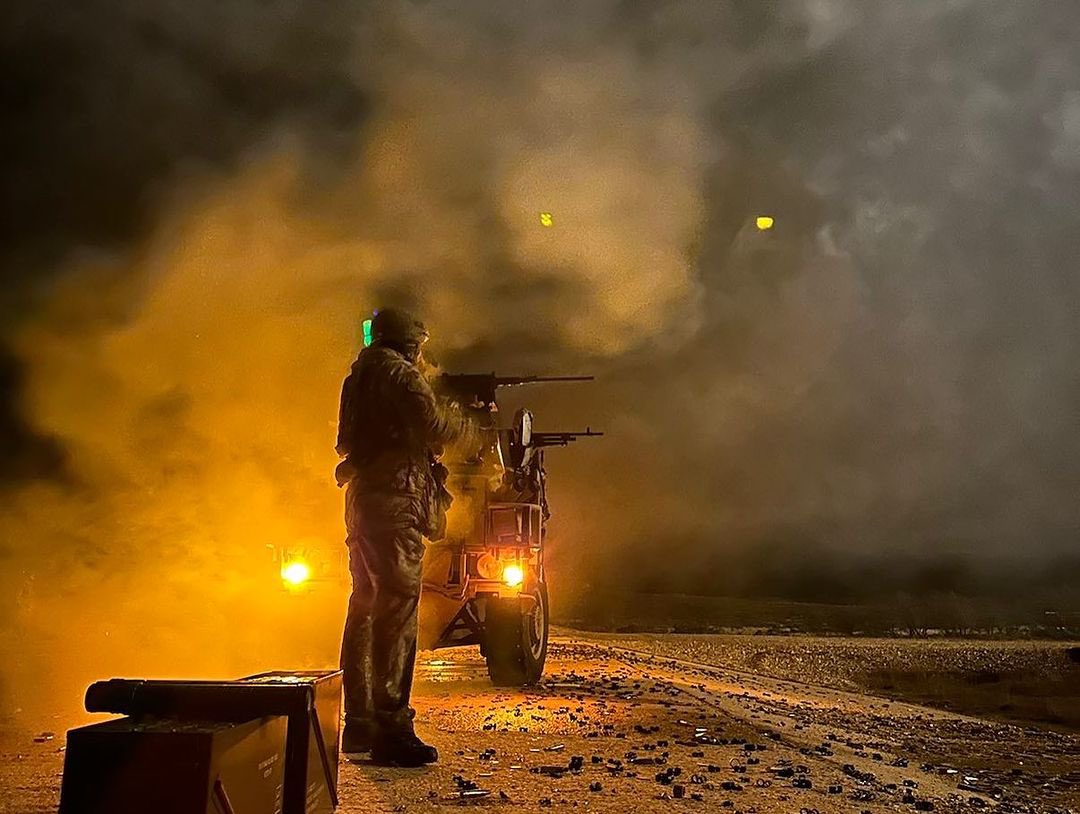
[(390, 428)]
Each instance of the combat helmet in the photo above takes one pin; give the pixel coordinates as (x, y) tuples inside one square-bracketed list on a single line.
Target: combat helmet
[(398, 329)]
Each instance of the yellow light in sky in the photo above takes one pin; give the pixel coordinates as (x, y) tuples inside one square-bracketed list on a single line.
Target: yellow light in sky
[(545, 219), (296, 572), (764, 223)]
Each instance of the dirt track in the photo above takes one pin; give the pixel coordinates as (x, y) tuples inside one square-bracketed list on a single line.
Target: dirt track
[(617, 729)]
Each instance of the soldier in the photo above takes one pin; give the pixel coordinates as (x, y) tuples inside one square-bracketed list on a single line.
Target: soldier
[(390, 430)]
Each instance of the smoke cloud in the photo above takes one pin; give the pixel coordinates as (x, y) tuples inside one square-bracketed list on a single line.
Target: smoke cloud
[(199, 204)]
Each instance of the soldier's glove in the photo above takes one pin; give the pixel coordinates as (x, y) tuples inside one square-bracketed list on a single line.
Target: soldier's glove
[(345, 472)]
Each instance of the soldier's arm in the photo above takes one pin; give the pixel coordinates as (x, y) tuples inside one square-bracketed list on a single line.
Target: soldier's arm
[(345, 417), (436, 425)]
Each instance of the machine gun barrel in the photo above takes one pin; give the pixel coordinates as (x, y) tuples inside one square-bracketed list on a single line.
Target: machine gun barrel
[(560, 439), (480, 387), (513, 381)]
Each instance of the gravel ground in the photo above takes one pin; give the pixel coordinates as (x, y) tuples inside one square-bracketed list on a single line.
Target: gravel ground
[(836, 661), (1027, 681), (613, 728)]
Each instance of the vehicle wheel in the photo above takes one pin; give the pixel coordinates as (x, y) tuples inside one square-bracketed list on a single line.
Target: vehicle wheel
[(516, 645)]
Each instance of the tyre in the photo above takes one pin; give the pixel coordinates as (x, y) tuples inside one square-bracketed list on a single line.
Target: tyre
[(515, 645)]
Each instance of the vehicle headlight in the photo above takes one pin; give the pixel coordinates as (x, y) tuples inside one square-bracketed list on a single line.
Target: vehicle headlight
[(295, 572), (488, 567), (513, 575)]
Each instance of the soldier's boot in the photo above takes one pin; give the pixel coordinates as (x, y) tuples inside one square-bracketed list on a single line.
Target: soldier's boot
[(402, 748), (359, 736)]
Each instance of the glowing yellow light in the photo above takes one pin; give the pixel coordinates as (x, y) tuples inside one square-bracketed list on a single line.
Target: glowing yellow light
[(545, 219), (296, 572), (764, 223), (513, 575)]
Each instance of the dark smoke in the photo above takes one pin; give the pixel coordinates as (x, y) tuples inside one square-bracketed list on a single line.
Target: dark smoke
[(110, 106), (198, 200)]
